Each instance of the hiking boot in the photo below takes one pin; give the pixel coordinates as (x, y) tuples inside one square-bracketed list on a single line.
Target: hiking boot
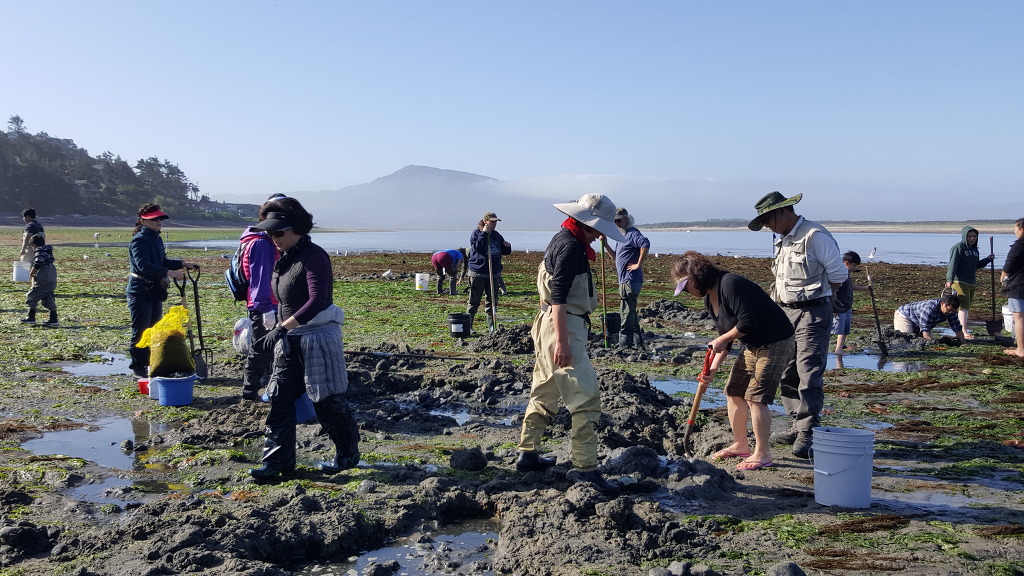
[(596, 480), (339, 463), (267, 471), (31, 316), (533, 462), (784, 436), (802, 445), (251, 396), (52, 319)]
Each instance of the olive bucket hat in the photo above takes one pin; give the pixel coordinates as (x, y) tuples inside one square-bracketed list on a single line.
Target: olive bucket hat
[(770, 201)]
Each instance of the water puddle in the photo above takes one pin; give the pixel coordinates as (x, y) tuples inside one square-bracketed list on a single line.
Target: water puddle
[(873, 362), (108, 364), (713, 397), (461, 417), (103, 443), (469, 544)]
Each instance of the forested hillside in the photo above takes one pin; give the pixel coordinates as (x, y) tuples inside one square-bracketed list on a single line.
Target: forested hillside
[(55, 176)]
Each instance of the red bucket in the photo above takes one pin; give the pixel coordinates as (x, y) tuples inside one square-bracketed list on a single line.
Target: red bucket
[(144, 386)]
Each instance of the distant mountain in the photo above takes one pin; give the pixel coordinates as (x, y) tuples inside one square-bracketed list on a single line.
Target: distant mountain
[(415, 197)]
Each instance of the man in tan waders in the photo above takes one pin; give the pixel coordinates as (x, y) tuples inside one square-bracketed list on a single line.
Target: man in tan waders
[(562, 368)]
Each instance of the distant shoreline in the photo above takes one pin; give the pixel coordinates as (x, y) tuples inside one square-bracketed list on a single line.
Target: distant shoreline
[(876, 228)]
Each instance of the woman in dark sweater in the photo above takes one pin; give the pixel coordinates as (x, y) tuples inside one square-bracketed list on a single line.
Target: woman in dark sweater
[(149, 272), (742, 311), (306, 344)]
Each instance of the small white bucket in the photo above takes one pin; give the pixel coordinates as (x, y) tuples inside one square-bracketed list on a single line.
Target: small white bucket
[(1007, 319), (842, 459), (422, 281), (20, 272)]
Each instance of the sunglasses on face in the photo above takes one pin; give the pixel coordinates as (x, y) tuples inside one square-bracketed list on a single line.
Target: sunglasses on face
[(278, 233)]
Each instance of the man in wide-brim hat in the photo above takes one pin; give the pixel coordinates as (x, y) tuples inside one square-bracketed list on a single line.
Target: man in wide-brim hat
[(808, 269), (562, 369)]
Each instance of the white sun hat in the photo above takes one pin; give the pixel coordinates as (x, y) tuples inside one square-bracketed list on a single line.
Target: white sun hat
[(596, 211)]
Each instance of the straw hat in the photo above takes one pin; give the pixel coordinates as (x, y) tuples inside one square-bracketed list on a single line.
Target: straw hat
[(770, 201), (596, 211)]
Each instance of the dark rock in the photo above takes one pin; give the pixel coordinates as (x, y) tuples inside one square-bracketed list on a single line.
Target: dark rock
[(472, 459)]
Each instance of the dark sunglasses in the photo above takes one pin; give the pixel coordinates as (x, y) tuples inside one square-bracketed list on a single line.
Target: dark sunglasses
[(278, 233)]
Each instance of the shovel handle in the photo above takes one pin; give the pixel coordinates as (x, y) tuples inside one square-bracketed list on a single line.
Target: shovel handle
[(708, 357)]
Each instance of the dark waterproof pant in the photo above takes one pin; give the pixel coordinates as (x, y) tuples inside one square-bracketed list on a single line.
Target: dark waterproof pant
[(259, 361), (480, 286), (334, 413), (144, 313)]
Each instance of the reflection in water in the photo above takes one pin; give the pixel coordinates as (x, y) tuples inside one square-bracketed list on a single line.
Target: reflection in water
[(109, 365), (714, 397), (873, 362), (101, 443)]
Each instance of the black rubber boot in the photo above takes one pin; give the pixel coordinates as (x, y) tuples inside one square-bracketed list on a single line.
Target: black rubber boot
[(31, 316), (339, 463), (278, 453), (533, 462), (337, 420), (595, 480), (625, 340), (52, 319)]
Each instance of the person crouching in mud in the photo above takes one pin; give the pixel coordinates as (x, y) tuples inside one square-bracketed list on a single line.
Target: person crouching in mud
[(562, 368), (307, 345)]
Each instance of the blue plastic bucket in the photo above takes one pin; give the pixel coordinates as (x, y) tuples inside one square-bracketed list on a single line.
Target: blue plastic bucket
[(842, 466), (304, 412), (174, 391)]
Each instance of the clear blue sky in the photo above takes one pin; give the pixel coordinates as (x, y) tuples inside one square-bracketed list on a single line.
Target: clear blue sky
[(916, 99)]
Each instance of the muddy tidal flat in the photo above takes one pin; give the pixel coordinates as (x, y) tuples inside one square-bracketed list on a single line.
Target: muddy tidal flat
[(97, 478)]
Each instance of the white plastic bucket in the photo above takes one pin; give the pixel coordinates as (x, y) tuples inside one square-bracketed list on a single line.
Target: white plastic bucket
[(20, 272), (842, 459), (1007, 319), (422, 281)]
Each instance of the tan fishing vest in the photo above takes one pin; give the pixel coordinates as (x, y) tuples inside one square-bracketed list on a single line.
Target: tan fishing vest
[(798, 276)]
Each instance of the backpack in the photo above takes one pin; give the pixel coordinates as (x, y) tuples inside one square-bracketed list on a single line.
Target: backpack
[(234, 276)]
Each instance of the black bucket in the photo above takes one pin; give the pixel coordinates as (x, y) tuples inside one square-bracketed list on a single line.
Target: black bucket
[(612, 323), (460, 325)]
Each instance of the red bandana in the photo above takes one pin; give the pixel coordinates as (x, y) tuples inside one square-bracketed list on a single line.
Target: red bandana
[(573, 225)]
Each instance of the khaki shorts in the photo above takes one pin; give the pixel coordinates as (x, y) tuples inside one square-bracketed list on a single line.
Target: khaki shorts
[(966, 294), (756, 374)]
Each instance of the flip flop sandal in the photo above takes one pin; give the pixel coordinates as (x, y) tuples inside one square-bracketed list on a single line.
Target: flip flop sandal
[(747, 465), (726, 453)]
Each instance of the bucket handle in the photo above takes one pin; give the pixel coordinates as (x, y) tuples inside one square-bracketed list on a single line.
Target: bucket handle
[(825, 473)]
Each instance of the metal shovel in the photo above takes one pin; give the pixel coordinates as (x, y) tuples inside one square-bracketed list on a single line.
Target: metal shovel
[(197, 359), (202, 355), (691, 421), (878, 325)]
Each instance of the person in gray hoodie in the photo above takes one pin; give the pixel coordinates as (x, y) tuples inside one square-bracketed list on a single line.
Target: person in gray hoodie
[(961, 272)]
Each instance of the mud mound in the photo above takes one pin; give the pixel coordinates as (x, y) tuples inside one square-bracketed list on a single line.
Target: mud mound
[(512, 340), (674, 311)]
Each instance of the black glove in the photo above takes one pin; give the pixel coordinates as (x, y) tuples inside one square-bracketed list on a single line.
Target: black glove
[(266, 344)]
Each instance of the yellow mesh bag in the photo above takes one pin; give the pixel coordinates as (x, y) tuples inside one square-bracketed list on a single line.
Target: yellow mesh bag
[(168, 352)]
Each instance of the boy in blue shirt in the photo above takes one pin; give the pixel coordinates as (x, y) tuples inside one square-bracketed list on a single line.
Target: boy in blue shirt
[(842, 304)]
